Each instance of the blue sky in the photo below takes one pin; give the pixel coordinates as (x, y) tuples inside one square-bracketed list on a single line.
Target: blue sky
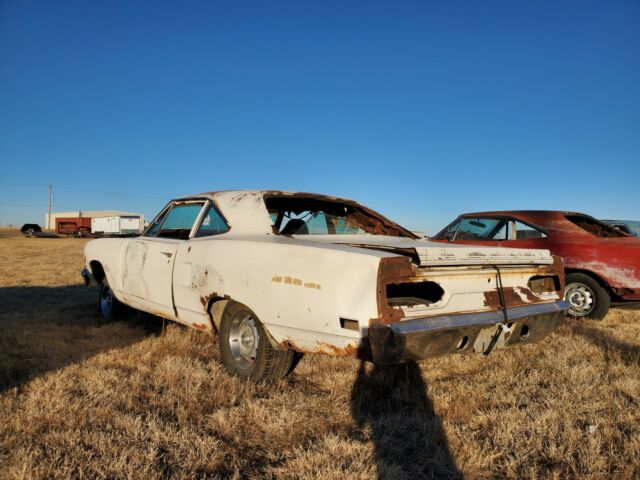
[(421, 110)]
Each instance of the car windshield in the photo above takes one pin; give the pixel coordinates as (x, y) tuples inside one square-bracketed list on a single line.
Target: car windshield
[(300, 215), (481, 229)]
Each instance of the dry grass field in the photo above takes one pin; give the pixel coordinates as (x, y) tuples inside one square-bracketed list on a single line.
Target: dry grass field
[(83, 400)]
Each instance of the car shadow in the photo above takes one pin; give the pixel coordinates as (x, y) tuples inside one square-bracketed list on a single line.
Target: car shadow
[(629, 353), (409, 441), (47, 328)]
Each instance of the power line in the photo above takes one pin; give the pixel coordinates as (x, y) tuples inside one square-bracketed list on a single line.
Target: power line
[(23, 184), (111, 193), (80, 189), (13, 205)]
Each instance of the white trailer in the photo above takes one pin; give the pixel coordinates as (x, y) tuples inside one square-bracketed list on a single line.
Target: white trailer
[(116, 225)]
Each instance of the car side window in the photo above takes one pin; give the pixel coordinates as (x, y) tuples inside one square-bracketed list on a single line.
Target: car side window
[(623, 228), (152, 231), (522, 231), (212, 223), (179, 221), (501, 234)]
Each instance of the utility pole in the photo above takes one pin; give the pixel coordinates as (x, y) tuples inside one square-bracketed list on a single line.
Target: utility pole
[(50, 202)]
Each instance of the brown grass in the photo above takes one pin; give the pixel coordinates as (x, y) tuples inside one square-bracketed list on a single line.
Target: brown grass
[(84, 400)]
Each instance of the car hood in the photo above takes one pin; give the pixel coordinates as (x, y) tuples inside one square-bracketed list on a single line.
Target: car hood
[(432, 253)]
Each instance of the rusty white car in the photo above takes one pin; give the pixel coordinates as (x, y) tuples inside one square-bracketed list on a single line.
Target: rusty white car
[(278, 274)]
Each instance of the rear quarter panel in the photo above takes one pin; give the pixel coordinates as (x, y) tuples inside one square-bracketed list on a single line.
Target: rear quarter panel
[(298, 291)]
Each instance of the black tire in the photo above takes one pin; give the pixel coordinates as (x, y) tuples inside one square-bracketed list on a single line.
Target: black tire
[(588, 299), (245, 350), (109, 306)]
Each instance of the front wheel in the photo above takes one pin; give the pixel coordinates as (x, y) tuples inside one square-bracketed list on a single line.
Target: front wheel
[(108, 305), (245, 350), (586, 297)]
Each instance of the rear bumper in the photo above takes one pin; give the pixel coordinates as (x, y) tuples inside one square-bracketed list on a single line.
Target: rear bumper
[(428, 337)]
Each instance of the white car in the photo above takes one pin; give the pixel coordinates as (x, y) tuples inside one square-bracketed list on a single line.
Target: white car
[(277, 274)]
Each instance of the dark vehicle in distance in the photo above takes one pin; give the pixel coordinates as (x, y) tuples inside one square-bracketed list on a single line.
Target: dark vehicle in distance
[(630, 227), (602, 264), (30, 228)]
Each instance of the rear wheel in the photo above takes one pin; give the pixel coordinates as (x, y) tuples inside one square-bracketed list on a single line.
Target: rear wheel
[(586, 297), (245, 350)]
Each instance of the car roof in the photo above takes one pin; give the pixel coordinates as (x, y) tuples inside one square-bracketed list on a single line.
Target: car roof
[(266, 193), (246, 212), (525, 213)]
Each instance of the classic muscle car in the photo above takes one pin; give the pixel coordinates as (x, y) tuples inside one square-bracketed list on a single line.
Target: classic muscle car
[(602, 264), (277, 274)]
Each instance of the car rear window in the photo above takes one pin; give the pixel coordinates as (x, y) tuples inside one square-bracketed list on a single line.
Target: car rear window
[(593, 226), (302, 215)]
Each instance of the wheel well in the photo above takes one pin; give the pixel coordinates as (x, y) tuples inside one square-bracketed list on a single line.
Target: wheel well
[(215, 307), (602, 283), (614, 293), (97, 271)]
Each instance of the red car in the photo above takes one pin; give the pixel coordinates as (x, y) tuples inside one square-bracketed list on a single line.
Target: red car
[(602, 264)]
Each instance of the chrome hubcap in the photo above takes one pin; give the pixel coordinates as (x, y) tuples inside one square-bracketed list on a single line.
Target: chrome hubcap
[(243, 339), (580, 298)]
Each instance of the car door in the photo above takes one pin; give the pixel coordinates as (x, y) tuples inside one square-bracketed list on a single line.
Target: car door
[(195, 275), (148, 261)]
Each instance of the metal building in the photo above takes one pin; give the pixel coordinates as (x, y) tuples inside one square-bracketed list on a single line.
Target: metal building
[(82, 219)]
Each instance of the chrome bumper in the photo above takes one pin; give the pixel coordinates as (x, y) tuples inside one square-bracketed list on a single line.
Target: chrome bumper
[(428, 337)]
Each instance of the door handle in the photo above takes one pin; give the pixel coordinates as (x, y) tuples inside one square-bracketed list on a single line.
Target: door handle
[(167, 254)]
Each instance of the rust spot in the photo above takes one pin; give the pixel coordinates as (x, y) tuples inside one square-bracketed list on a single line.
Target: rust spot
[(277, 279), (360, 350), (206, 299), (288, 280), (201, 326), (624, 292), (157, 313), (512, 298), (297, 282), (312, 285), (391, 270), (328, 349)]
